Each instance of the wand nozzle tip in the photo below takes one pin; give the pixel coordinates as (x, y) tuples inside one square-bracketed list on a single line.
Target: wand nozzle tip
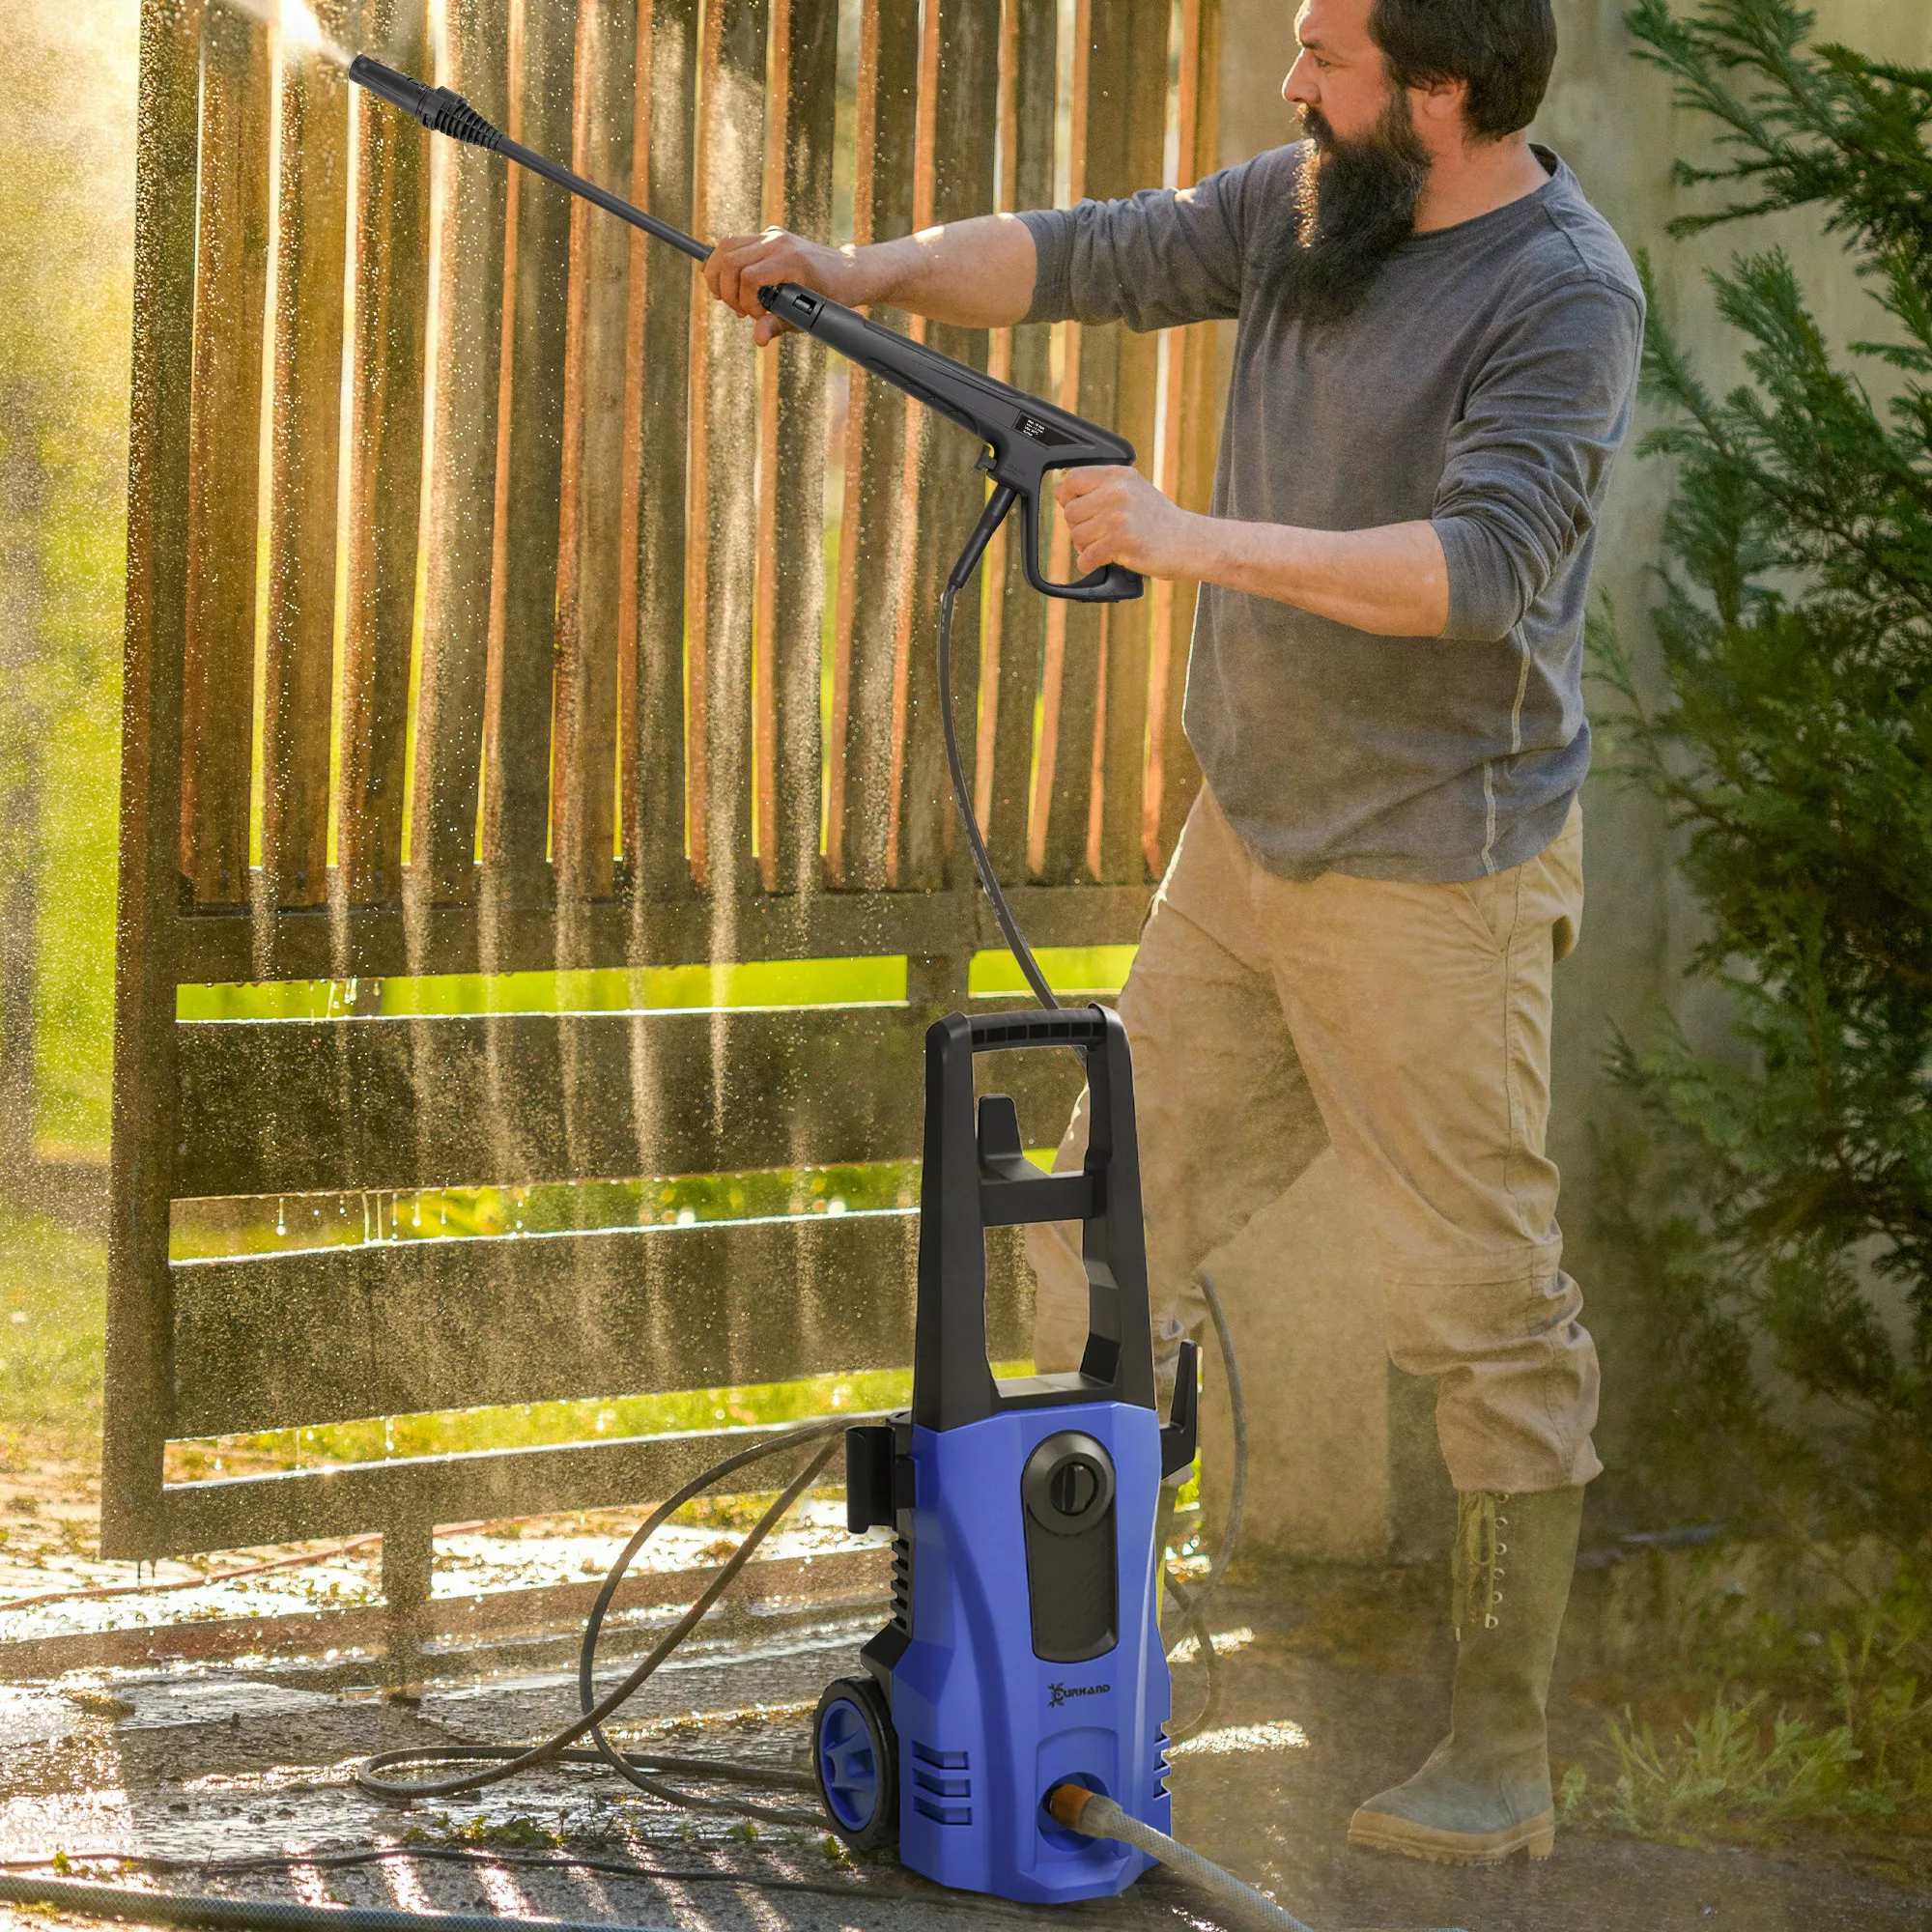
[(397, 89), (438, 109)]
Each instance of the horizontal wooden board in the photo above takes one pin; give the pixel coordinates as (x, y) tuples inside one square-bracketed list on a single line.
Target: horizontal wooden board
[(298, 1107), (382, 942), (834, 1578), (397, 1328), (293, 1505)]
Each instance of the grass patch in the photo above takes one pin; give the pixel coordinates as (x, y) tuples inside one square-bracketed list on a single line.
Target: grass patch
[(1732, 1764), (1818, 1711), (53, 1314)]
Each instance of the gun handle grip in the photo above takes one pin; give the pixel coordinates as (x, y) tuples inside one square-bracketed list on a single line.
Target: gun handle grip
[(1111, 583)]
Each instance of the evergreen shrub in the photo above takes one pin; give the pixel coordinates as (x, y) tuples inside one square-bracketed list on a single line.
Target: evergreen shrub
[(1780, 1211)]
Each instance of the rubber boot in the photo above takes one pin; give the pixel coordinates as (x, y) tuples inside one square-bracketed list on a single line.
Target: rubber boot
[(1484, 1793)]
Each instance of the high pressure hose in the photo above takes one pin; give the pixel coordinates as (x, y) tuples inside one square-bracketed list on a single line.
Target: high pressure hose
[(962, 795), (499, 1762)]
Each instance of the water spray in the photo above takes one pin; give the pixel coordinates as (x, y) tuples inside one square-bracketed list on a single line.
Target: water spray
[(297, 24), (1010, 1732), (1026, 439)]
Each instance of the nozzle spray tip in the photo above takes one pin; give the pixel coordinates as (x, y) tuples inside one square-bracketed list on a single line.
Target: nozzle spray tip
[(397, 89)]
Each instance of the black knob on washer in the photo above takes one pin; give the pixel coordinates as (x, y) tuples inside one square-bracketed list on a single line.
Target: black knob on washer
[(1067, 1484)]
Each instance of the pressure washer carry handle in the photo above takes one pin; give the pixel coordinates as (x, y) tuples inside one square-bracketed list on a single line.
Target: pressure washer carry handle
[(976, 1176)]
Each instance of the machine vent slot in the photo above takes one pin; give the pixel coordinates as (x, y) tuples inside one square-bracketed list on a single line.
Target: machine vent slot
[(902, 1584), (943, 1814), (942, 1788)]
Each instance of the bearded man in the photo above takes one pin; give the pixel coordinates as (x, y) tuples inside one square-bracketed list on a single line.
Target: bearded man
[(1437, 354)]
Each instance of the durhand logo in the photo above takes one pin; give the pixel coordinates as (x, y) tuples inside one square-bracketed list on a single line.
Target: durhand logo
[(1058, 1694)]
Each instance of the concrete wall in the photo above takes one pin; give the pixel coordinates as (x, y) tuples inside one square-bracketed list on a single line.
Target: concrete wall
[(1345, 1466)]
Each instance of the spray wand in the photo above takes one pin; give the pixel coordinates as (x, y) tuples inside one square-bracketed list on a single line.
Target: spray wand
[(1025, 439)]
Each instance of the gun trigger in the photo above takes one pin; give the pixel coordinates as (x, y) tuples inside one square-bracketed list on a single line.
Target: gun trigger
[(984, 460)]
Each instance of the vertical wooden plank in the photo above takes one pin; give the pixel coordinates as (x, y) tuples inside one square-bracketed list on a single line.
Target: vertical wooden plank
[(140, 1324), (1041, 813), (1188, 445), (656, 427), (1120, 733), (230, 309), (723, 517), (593, 461), (385, 465), (791, 461), (1105, 62), (951, 493), (523, 614), (764, 614), (473, 190), (912, 460), (1016, 612), (874, 511), (311, 235)]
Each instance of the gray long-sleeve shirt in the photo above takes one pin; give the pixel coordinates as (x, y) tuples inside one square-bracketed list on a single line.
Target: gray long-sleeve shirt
[(1484, 383)]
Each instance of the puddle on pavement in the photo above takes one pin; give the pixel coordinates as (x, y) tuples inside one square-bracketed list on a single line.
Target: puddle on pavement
[(35, 1718), (212, 1701), (530, 1555)]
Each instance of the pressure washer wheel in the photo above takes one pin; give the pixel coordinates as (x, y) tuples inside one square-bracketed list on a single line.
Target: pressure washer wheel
[(855, 1753)]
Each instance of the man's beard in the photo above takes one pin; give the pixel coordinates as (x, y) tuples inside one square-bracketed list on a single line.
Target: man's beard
[(1354, 206)]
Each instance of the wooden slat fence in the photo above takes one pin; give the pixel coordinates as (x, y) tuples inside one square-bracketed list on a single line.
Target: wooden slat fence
[(485, 616)]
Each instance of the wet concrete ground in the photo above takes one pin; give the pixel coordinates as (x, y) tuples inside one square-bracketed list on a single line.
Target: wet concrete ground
[(225, 1763)]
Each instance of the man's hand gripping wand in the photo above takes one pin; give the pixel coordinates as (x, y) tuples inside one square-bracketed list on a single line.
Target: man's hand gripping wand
[(1025, 437)]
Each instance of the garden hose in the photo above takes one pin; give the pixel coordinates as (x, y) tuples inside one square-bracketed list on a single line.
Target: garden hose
[(1095, 1816)]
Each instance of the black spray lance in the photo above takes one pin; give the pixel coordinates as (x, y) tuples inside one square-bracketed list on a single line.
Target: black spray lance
[(1025, 437)]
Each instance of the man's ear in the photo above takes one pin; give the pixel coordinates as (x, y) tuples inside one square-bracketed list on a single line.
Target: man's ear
[(1439, 104)]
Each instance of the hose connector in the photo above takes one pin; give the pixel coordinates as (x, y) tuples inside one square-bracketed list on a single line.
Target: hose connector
[(439, 109), (1066, 1804)]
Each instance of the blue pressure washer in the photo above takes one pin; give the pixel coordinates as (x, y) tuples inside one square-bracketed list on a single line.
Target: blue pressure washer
[(1024, 1650)]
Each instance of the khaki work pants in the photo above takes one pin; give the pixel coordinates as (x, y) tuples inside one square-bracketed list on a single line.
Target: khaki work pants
[(1408, 1025)]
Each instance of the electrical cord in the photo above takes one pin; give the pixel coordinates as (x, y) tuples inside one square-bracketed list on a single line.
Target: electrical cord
[(262, 1915), (1193, 1600)]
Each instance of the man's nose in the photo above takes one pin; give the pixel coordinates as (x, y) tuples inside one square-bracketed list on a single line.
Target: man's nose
[(1296, 87)]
